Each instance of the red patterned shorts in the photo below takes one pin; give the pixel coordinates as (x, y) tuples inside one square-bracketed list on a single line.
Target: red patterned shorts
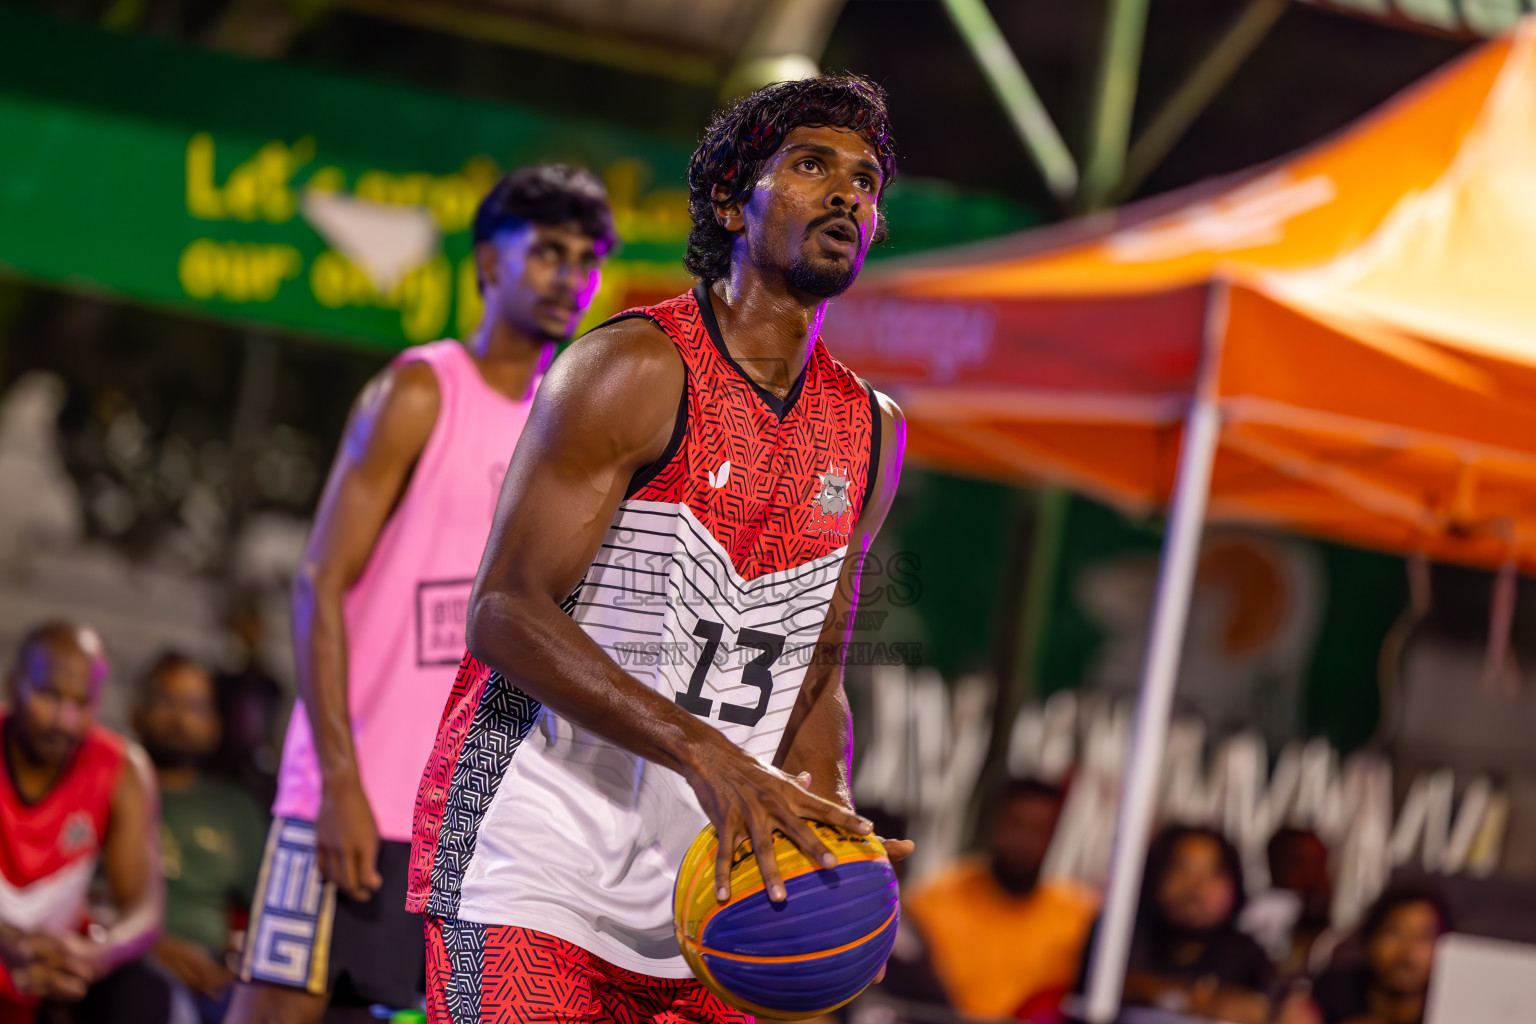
[(496, 974)]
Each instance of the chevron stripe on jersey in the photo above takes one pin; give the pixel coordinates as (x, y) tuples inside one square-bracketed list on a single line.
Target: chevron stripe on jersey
[(712, 586)]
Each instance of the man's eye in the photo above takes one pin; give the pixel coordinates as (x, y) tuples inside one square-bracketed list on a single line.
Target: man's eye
[(808, 165)]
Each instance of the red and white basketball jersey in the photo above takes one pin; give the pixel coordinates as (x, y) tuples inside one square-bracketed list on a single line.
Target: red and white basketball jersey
[(712, 587), (48, 849)]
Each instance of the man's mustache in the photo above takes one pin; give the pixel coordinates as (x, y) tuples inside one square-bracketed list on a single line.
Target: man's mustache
[(836, 215)]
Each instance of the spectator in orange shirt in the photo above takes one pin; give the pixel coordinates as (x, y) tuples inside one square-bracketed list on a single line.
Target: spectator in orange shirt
[(999, 937)]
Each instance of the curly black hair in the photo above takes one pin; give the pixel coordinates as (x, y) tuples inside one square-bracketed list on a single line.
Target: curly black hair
[(743, 137), (1403, 893), (547, 194), (1160, 855)]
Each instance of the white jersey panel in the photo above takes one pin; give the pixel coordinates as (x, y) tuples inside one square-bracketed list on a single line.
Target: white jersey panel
[(583, 835)]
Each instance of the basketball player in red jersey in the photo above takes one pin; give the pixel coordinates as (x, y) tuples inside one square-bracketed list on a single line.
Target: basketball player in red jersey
[(379, 603), (74, 795), (675, 554)]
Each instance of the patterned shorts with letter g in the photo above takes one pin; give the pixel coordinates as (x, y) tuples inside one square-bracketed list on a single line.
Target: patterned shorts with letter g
[(495, 974)]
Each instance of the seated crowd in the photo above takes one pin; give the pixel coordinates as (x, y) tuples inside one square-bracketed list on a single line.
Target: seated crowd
[(990, 938), (175, 847), (127, 871)]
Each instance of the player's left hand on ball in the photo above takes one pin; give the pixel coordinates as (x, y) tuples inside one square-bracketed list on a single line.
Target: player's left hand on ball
[(898, 849), (746, 799)]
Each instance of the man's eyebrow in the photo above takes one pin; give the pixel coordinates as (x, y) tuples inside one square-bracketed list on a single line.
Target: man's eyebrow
[(822, 149)]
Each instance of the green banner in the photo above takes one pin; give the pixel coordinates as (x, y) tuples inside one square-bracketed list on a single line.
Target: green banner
[(224, 186)]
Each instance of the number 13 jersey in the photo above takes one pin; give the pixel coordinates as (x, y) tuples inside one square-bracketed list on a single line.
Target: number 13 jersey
[(711, 587)]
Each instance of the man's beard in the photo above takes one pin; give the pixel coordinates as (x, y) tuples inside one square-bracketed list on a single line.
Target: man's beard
[(1015, 879), (170, 756), (546, 335), (825, 279)]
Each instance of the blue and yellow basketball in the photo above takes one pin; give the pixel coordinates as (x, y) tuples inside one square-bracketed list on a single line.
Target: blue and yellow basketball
[(812, 953)]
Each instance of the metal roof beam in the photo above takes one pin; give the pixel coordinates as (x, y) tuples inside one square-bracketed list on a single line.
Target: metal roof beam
[(1012, 87), (477, 22)]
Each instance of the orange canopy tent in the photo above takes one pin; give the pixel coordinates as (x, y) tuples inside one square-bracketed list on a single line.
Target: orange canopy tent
[(1362, 316), (1342, 344)]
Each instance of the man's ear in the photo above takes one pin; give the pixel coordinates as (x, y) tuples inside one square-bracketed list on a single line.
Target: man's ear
[(487, 264), (727, 211)]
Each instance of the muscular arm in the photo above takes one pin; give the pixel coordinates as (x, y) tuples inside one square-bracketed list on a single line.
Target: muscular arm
[(130, 863), (819, 737), (385, 435), (607, 408)]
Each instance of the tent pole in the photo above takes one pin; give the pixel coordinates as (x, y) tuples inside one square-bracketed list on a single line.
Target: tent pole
[(1159, 676)]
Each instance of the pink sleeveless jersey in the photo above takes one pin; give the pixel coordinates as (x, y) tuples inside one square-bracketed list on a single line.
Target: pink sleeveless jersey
[(406, 613)]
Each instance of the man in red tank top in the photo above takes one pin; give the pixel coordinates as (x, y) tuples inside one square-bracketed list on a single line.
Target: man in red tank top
[(711, 442), (74, 796), (329, 910)]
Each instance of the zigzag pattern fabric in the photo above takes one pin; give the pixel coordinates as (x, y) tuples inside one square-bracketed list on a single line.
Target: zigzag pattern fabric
[(777, 509), (489, 974), (501, 718)]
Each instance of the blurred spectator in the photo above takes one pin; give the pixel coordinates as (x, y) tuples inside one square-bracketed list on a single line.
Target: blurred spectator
[(1186, 953), (909, 973), (1000, 938), (250, 699), (74, 797), (1292, 920), (1391, 984), (211, 836)]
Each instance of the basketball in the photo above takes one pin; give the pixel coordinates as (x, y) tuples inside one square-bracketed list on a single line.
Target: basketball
[(801, 958)]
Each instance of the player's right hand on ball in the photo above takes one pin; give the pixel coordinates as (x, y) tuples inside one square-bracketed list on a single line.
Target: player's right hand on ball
[(748, 800), (347, 840)]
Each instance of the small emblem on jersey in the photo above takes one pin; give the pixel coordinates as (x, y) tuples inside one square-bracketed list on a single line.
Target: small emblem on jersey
[(833, 498), (78, 833), (832, 507), (718, 478)]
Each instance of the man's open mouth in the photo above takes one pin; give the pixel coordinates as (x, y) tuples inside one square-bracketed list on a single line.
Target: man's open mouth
[(842, 231)]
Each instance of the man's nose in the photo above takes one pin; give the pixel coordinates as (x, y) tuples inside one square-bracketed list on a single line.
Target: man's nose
[(840, 198), (71, 716)]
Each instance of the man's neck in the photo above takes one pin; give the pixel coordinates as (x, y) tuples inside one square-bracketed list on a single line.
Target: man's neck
[(32, 780), (1395, 1008), (508, 357), (768, 327), (178, 779)]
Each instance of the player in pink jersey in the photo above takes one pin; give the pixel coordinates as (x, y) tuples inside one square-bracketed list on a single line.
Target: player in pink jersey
[(379, 606), (75, 798), (656, 631)]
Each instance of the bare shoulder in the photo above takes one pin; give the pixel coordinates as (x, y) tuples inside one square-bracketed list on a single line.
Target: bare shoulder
[(891, 416), (135, 783), (631, 356), (395, 412), (617, 388), (893, 441), (402, 391)]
